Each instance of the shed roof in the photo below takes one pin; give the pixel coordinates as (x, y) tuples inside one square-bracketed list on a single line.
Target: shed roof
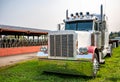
[(17, 30)]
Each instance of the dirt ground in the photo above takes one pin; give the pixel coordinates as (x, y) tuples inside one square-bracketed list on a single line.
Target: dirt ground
[(8, 60)]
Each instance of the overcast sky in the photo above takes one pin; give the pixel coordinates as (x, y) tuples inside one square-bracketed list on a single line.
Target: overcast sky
[(46, 14)]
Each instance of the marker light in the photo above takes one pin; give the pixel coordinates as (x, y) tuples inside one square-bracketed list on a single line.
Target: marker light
[(72, 15), (87, 13), (81, 13), (77, 14)]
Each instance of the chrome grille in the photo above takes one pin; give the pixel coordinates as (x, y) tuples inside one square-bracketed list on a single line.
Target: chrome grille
[(61, 45), (52, 45)]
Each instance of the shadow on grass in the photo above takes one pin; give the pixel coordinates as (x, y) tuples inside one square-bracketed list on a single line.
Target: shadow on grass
[(66, 75), (60, 77), (64, 71)]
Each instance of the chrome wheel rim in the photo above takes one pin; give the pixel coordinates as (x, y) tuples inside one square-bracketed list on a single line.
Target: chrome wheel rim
[(95, 66)]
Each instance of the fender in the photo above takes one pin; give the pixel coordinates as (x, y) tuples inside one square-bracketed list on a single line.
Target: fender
[(91, 49)]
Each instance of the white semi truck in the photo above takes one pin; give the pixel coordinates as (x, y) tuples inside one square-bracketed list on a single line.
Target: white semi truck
[(84, 39)]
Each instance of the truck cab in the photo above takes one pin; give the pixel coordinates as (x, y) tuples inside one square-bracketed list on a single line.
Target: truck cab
[(92, 32), (84, 38)]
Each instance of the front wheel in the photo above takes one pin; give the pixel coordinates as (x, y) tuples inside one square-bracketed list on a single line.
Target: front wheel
[(95, 65)]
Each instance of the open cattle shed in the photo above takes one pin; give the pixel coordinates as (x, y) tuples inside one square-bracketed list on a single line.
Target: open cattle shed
[(19, 40)]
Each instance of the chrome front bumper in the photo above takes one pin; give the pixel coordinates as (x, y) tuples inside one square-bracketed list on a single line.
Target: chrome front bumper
[(77, 57)]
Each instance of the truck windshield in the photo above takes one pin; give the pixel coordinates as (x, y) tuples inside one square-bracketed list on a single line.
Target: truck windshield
[(79, 25)]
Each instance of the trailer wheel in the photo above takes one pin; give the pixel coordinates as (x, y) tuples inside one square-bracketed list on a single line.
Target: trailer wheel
[(95, 65)]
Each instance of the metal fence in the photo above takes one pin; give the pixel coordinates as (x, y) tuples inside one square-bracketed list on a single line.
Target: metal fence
[(13, 42)]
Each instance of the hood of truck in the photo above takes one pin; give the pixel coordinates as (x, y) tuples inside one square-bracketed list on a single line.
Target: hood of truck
[(84, 38)]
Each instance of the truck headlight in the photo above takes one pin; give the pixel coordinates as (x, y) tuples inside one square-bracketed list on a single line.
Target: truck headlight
[(43, 49), (83, 50)]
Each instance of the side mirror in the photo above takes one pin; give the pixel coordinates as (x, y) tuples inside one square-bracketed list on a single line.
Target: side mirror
[(59, 27)]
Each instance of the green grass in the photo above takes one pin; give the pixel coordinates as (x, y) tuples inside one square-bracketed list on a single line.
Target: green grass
[(32, 71)]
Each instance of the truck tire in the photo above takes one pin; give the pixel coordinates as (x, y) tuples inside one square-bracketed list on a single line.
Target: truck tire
[(95, 65)]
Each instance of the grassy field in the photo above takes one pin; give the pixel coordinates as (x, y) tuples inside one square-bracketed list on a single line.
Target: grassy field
[(31, 71)]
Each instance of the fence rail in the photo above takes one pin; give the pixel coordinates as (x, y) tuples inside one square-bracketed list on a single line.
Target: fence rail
[(8, 43)]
